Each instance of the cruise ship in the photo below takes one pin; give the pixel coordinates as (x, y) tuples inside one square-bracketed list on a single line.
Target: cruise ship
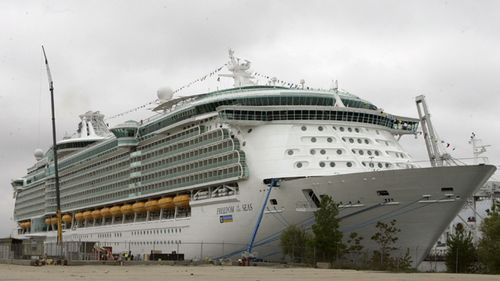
[(223, 173)]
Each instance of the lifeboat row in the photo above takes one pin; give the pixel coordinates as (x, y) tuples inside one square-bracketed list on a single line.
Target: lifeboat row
[(25, 224), (181, 201)]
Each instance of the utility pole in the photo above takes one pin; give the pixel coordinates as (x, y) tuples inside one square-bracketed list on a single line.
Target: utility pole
[(54, 150)]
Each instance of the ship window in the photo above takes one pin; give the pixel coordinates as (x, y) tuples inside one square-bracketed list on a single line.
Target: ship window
[(322, 151), (303, 128), (354, 151), (349, 129), (357, 130), (351, 140), (339, 151), (313, 139), (382, 193), (380, 165), (361, 152), (332, 164), (320, 128), (312, 151), (366, 141), (377, 153), (290, 152), (369, 152), (322, 164), (446, 189), (273, 202), (360, 141), (329, 139), (298, 165), (341, 129), (349, 164)]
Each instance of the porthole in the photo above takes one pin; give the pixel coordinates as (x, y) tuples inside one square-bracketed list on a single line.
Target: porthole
[(339, 151), (356, 130), (322, 151), (244, 143), (298, 165), (349, 129), (349, 164), (332, 164), (364, 164), (290, 152), (312, 151), (369, 152), (322, 164), (361, 152), (387, 165), (313, 139), (380, 165), (377, 153), (341, 129), (320, 128), (303, 128), (343, 139), (351, 140), (366, 141), (353, 151), (329, 139), (360, 141), (249, 131), (334, 128), (371, 165)]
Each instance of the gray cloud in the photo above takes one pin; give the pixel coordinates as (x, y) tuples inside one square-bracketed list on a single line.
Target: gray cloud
[(113, 55)]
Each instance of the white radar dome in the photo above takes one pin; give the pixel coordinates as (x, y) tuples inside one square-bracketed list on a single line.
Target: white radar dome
[(38, 154), (165, 94)]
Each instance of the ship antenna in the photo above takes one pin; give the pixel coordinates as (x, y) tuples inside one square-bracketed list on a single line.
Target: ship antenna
[(54, 149)]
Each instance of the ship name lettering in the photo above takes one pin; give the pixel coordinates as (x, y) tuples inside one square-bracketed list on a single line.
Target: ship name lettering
[(225, 210)]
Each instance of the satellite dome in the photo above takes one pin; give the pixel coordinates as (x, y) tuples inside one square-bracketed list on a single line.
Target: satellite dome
[(165, 94), (38, 154)]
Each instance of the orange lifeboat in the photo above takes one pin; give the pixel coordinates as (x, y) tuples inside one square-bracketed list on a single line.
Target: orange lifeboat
[(87, 215), (166, 203), (66, 218), (105, 212), (47, 221), (79, 216), (181, 201), (96, 214), (151, 205), (115, 211), (53, 220), (139, 207), (126, 209)]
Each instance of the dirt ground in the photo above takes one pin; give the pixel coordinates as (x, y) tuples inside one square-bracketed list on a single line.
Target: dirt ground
[(209, 273)]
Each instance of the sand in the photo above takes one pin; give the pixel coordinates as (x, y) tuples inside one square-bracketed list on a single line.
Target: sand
[(215, 273)]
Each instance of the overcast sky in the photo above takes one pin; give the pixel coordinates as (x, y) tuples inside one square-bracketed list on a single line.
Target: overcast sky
[(112, 56)]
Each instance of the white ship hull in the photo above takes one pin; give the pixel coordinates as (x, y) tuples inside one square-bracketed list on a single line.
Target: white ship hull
[(415, 200)]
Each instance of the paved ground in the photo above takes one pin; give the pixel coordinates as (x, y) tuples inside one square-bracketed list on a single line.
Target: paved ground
[(209, 273)]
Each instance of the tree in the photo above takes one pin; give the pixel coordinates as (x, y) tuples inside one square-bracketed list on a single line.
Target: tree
[(489, 245), (327, 236), (461, 254), (354, 247), (294, 241), (386, 238)]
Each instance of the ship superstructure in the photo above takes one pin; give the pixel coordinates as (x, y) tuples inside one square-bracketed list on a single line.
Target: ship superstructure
[(196, 175)]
